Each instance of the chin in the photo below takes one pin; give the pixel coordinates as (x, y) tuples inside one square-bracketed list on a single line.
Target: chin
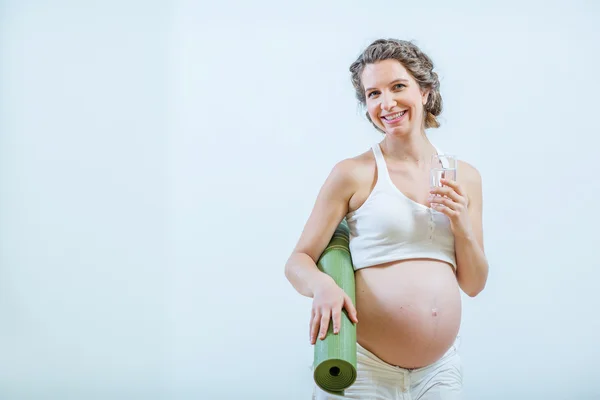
[(397, 131)]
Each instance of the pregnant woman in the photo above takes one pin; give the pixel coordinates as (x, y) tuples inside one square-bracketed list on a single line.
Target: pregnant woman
[(413, 247)]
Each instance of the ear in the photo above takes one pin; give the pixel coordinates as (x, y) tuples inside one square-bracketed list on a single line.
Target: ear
[(425, 96)]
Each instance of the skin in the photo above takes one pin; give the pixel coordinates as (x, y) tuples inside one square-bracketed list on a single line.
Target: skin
[(409, 310)]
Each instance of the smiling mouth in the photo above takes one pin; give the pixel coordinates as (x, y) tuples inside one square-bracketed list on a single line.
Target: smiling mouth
[(394, 117)]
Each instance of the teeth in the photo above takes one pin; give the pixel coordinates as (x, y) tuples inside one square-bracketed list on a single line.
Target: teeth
[(394, 116)]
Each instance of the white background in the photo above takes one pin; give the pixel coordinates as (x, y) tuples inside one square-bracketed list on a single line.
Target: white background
[(158, 161)]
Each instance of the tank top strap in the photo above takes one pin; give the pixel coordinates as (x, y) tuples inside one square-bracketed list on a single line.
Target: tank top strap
[(382, 170), (439, 152)]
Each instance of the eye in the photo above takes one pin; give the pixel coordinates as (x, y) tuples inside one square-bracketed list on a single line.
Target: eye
[(372, 93), (399, 85)]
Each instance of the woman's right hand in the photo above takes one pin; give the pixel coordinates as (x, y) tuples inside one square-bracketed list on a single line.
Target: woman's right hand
[(328, 301)]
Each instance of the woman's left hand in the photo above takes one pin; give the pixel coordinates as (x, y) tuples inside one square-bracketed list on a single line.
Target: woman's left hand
[(452, 201)]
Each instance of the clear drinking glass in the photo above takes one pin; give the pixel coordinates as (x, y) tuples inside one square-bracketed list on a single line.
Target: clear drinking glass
[(442, 166)]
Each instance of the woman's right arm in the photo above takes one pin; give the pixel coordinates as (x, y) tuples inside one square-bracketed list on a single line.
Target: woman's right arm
[(301, 269)]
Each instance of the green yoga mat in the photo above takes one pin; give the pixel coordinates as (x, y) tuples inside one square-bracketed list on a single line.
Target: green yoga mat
[(335, 356)]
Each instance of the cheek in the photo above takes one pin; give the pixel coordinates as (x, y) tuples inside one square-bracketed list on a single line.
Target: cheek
[(373, 113), (372, 108)]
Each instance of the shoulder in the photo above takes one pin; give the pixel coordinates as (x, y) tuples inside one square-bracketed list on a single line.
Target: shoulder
[(468, 173), (354, 168), (470, 178)]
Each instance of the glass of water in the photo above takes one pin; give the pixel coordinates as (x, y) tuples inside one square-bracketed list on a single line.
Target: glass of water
[(442, 166)]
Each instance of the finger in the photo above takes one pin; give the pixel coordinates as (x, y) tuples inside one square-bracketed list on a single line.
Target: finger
[(310, 323), (453, 184), (445, 210), (314, 327), (445, 202), (446, 191), (350, 308), (336, 317), (325, 317)]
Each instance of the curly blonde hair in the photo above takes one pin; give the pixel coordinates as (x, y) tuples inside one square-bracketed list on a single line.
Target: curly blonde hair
[(418, 64)]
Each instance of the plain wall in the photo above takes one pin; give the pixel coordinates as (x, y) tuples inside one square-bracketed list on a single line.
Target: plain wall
[(158, 161)]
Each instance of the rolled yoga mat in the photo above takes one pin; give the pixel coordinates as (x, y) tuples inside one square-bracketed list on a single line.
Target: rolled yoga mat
[(335, 356)]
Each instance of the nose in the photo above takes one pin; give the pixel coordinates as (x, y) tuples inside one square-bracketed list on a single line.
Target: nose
[(387, 101)]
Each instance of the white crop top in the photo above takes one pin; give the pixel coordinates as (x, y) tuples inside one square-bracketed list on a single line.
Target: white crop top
[(390, 227)]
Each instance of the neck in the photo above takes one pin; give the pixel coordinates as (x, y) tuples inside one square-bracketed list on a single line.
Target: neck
[(415, 148)]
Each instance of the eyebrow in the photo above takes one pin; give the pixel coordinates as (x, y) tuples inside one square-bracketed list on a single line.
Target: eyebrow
[(392, 82)]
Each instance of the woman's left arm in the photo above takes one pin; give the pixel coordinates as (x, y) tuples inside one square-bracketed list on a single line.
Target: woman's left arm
[(463, 204)]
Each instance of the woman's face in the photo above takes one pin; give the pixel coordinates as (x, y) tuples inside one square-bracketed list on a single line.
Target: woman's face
[(393, 97)]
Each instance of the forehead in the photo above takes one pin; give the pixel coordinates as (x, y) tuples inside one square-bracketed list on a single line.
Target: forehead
[(382, 73)]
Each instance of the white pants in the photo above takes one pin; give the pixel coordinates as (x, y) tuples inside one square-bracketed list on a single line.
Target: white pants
[(379, 380)]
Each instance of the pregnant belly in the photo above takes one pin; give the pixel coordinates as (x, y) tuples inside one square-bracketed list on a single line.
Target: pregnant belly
[(409, 312)]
